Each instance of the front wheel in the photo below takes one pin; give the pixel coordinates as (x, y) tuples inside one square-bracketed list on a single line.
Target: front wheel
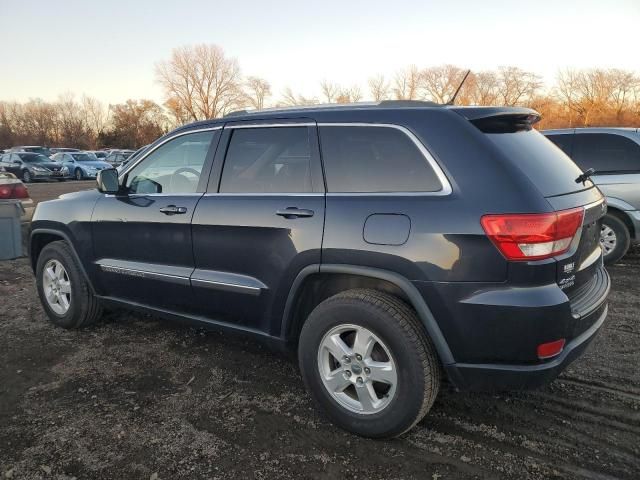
[(64, 292), (614, 238), (78, 174), (368, 364), (26, 176)]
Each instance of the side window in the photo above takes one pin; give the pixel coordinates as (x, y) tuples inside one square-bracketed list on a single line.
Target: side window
[(563, 141), (173, 168), (268, 160), (362, 159), (606, 152)]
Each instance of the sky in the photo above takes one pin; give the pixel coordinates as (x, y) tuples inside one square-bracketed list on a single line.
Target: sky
[(108, 49)]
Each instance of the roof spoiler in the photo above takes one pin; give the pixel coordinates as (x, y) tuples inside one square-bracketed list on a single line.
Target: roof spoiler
[(500, 119)]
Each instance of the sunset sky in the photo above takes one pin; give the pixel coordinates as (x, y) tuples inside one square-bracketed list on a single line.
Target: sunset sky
[(108, 49)]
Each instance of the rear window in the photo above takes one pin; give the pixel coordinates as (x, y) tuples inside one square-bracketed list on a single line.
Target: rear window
[(359, 159), (607, 153), (547, 166)]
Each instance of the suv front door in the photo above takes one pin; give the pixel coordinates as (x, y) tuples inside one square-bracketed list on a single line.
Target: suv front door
[(142, 236), (260, 223)]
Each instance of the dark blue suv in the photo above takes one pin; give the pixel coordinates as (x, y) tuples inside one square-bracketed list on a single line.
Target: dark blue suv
[(392, 244)]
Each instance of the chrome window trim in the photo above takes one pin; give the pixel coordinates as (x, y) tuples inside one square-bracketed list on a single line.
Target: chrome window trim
[(168, 139), (270, 125), (442, 178), (265, 194), (138, 195)]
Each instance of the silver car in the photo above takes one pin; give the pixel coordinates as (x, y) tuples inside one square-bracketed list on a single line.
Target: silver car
[(614, 154)]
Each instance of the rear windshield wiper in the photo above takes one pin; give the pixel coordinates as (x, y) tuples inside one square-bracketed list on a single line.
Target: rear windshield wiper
[(585, 176)]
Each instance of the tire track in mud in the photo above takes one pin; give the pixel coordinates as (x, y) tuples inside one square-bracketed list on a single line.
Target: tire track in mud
[(491, 447), (632, 394)]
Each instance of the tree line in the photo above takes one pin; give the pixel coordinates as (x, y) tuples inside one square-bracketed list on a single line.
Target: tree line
[(201, 82)]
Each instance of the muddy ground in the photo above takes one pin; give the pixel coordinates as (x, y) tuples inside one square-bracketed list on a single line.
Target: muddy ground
[(137, 397)]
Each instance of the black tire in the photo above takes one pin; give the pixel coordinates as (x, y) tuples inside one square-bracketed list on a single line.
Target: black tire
[(622, 238), (26, 176), (84, 307), (78, 174), (396, 324)]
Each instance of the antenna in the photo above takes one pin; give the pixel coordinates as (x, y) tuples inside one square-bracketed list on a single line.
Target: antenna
[(453, 99)]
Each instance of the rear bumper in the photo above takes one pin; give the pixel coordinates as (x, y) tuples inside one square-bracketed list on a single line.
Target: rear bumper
[(487, 377)]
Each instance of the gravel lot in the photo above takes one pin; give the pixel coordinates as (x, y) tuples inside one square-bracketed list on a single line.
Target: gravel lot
[(136, 397)]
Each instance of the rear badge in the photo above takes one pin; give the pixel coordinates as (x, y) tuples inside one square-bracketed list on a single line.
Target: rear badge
[(568, 268), (567, 282)]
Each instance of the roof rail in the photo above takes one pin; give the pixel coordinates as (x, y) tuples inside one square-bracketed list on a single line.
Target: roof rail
[(321, 106), (408, 103)]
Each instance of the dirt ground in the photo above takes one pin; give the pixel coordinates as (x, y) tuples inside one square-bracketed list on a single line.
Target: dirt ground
[(136, 397)]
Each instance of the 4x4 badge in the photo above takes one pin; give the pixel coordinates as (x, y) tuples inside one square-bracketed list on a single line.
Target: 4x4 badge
[(568, 268)]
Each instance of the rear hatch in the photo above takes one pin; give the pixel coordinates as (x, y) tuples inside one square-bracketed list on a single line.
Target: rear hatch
[(580, 273)]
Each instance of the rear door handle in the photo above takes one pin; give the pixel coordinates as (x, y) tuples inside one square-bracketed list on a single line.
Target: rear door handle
[(173, 210), (293, 212)]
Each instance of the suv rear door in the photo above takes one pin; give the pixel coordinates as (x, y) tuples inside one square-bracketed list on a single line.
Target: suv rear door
[(260, 222)]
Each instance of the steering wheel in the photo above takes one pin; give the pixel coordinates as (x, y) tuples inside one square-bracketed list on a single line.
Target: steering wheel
[(180, 171)]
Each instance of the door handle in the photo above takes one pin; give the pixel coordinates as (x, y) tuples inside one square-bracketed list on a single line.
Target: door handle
[(293, 212), (173, 210)]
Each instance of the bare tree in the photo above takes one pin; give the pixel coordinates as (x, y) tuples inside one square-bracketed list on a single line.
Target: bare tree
[(406, 84), (440, 83), (290, 99), (517, 86), (201, 81), (330, 91), (483, 88), (95, 116), (379, 88), (349, 95), (258, 90)]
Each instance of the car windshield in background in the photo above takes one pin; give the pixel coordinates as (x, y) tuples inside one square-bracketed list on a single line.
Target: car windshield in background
[(35, 158), (82, 157), (40, 150)]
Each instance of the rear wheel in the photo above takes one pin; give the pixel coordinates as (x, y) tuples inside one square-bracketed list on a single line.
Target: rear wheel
[(614, 238), (368, 364), (64, 293)]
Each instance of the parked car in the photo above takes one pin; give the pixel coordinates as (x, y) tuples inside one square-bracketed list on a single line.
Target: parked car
[(81, 165), (33, 166), (32, 149), (391, 244), (63, 149), (117, 157), (11, 188), (99, 154), (614, 155), (132, 157)]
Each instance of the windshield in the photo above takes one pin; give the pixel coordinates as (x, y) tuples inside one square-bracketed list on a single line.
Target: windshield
[(100, 154), (35, 158), (41, 150), (82, 157)]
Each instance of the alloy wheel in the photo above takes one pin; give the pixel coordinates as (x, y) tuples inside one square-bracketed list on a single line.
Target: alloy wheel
[(357, 369), (608, 239), (57, 287)]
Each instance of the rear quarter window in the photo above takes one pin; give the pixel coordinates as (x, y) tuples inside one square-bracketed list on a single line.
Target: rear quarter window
[(546, 165), (606, 152), (374, 159)]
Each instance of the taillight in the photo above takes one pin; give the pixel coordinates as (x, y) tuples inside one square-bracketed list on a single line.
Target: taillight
[(533, 236), (13, 190)]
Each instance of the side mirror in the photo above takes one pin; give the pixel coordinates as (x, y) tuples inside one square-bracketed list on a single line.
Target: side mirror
[(107, 181)]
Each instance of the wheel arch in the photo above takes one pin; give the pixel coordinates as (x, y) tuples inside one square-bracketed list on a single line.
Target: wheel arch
[(624, 217), (41, 237), (316, 283)]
